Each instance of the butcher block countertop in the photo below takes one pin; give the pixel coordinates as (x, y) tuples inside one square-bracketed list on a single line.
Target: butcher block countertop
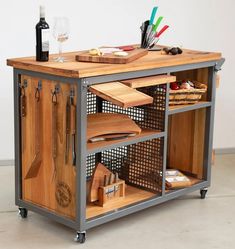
[(74, 69)]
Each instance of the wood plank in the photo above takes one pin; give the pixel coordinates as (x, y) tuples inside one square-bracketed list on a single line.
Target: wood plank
[(111, 58), (149, 81), (74, 69), (177, 107), (132, 195), (102, 144), (120, 94), (99, 124)]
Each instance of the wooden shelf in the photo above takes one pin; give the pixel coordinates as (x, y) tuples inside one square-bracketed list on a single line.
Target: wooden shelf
[(145, 134), (183, 108), (133, 195)]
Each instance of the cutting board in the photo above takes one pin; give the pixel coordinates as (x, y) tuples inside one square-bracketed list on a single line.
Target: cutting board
[(149, 81), (97, 180), (108, 124), (111, 58), (120, 94)]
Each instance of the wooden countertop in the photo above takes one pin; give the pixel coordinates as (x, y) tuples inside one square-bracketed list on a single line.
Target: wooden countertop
[(74, 69)]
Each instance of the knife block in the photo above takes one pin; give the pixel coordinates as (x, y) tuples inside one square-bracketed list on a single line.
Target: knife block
[(111, 192)]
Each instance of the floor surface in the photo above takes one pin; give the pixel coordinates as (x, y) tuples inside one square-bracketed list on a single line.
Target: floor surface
[(187, 222)]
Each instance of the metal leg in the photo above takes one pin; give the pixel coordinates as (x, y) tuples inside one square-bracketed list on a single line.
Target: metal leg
[(209, 125), (81, 151), (17, 137)]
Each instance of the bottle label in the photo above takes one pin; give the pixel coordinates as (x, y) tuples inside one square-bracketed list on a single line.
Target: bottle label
[(45, 39)]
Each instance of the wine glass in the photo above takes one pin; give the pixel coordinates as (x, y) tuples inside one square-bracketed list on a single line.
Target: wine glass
[(61, 34)]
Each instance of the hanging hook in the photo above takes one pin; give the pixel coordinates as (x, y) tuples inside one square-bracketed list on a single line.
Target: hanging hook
[(38, 89), (54, 97)]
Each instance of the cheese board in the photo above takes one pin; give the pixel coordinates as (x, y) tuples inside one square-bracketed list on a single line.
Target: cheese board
[(132, 55)]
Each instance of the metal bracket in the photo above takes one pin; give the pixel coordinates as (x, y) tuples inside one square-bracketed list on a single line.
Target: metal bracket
[(219, 64), (57, 88), (25, 83), (85, 82), (39, 85), (72, 92)]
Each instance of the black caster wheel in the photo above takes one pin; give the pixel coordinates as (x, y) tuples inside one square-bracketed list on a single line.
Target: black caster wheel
[(203, 193), (23, 213), (80, 238)]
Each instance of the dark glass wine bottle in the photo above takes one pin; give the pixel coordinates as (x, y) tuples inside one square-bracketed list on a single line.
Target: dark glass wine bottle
[(42, 37)]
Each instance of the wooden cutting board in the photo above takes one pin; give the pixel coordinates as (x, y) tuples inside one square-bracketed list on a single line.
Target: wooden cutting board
[(99, 124), (111, 58), (149, 81), (120, 94), (97, 180)]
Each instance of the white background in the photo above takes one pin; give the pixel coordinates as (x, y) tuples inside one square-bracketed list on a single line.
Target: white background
[(198, 24)]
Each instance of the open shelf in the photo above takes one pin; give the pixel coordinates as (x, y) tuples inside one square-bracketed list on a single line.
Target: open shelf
[(133, 195), (146, 134), (183, 108)]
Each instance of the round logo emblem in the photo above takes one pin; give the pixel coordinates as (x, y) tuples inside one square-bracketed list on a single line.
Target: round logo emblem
[(63, 194)]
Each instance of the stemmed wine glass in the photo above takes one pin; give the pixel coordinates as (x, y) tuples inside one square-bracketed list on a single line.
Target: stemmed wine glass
[(61, 34)]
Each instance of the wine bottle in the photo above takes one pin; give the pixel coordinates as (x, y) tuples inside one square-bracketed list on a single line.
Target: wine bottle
[(42, 37)]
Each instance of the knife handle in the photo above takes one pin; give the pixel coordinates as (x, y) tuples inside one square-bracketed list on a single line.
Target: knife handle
[(154, 10), (157, 23), (162, 30)]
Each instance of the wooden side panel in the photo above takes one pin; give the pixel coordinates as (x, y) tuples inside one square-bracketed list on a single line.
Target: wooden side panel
[(186, 142), (53, 191)]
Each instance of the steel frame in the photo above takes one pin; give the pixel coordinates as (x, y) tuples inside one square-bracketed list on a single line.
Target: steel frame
[(80, 223)]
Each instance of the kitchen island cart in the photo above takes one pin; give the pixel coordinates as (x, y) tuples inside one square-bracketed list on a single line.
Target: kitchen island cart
[(54, 161)]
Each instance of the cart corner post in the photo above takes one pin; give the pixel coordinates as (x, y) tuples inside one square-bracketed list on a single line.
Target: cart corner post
[(17, 129), (81, 151)]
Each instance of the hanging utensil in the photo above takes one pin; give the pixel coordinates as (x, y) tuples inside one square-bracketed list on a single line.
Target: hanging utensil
[(36, 163), (68, 125), (54, 110), (23, 106), (73, 126)]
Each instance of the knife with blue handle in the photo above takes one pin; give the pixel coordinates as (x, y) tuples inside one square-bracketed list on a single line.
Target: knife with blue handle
[(150, 27)]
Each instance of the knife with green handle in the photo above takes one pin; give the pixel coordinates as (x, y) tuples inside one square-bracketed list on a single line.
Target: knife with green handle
[(154, 30)]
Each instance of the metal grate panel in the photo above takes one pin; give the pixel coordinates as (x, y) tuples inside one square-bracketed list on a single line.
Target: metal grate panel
[(140, 164), (150, 116)]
